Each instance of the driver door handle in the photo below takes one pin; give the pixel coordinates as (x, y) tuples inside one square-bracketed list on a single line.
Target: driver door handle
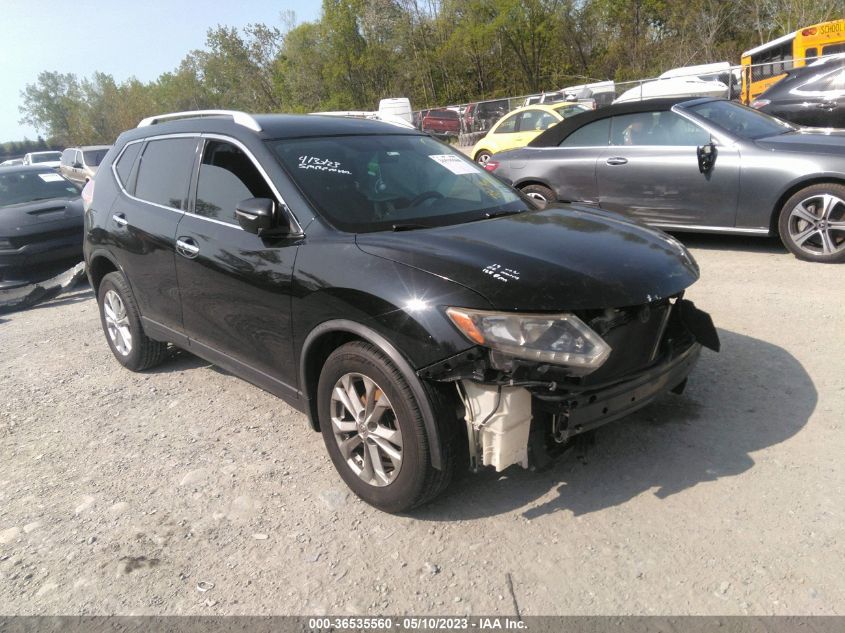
[(187, 247), (120, 219), (616, 160)]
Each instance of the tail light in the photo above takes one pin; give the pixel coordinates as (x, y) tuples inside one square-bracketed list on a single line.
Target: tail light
[(88, 194), (810, 31), (759, 103), (491, 165)]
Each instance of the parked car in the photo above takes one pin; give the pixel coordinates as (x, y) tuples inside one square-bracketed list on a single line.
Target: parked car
[(441, 122), (422, 313), (46, 159), (812, 95), (11, 162), (40, 225), (481, 116), (522, 126), (79, 164), (706, 165)]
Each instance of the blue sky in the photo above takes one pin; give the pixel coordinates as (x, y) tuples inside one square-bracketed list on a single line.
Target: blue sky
[(141, 38)]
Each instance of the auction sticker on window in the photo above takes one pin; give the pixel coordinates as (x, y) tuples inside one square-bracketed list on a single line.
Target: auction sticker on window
[(321, 164), (453, 163), (50, 177)]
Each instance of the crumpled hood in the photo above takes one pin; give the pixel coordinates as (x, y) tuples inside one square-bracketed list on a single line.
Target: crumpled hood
[(561, 258), (809, 140)]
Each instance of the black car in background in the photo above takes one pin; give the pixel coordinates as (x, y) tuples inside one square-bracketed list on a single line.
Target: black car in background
[(422, 313), (812, 96), (40, 225)]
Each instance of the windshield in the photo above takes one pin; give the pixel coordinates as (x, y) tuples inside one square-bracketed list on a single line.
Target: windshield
[(571, 109), (383, 182), (739, 120), (93, 157), (45, 158), (28, 186)]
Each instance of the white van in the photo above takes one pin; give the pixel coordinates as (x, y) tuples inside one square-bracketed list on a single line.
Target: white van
[(398, 106)]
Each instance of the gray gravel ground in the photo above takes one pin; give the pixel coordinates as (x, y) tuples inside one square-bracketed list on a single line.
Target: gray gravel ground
[(184, 490)]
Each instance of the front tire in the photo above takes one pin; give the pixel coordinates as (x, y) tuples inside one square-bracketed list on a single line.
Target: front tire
[(374, 431), (483, 157), (812, 223), (122, 326)]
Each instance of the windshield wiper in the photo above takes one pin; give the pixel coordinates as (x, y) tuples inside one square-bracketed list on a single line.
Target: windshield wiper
[(488, 215), (408, 226)]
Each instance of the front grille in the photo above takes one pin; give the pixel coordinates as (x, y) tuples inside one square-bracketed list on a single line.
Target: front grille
[(636, 336)]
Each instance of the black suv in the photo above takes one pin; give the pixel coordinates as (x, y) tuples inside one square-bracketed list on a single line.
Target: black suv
[(424, 315)]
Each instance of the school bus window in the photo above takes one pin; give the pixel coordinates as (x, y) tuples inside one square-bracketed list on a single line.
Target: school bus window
[(833, 48), (810, 53)]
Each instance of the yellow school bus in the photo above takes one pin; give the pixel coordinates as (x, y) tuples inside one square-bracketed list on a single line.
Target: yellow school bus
[(766, 64)]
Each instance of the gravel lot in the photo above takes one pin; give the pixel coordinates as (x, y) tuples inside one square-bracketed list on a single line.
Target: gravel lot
[(185, 490)]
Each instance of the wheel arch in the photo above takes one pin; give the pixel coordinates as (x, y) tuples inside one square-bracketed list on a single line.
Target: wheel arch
[(99, 266), (521, 184), (795, 187), (330, 335)]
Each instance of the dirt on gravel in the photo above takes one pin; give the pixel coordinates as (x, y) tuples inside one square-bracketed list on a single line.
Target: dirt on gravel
[(184, 490)]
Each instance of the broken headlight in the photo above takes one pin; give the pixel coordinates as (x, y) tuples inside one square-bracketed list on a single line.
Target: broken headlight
[(558, 339)]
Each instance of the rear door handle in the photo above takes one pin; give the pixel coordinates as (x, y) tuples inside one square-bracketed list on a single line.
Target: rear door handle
[(187, 247), (616, 160), (120, 219)]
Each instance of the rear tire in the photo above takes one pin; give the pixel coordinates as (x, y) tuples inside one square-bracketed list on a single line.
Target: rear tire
[(540, 193), (121, 323), (374, 431), (812, 223)]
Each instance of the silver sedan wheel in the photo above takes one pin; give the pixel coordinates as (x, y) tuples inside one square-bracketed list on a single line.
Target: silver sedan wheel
[(483, 158), (366, 429), (117, 323), (817, 224)]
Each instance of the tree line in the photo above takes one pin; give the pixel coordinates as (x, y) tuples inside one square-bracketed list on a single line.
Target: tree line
[(435, 52)]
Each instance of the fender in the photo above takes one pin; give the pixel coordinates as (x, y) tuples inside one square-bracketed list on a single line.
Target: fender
[(369, 335), (105, 254)]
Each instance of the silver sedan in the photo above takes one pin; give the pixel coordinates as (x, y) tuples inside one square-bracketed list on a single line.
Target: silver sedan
[(703, 165)]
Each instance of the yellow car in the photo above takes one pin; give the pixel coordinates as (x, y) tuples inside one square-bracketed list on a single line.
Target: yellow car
[(518, 128)]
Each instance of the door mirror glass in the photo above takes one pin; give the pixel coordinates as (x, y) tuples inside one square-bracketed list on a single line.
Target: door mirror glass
[(706, 157), (258, 216)]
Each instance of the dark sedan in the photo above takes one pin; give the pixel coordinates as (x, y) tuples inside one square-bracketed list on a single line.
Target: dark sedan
[(812, 95), (40, 225), (704, 165)]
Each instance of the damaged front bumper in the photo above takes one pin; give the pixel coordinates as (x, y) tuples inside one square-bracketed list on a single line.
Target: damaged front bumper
[(529, 416)]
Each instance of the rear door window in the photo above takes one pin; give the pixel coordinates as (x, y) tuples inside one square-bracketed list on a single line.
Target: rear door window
[(165, 172), (227, 176), (593, 134)]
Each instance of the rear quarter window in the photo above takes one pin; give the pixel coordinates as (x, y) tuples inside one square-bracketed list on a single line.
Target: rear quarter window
[(124, 164)]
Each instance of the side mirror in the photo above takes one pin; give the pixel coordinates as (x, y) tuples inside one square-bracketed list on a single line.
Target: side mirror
[(258, 216), (77, 165), (706, 157)]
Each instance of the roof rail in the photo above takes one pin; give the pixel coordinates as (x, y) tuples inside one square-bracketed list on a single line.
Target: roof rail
[(241, 118)]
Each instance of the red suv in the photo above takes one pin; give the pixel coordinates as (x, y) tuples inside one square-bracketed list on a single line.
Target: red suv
[(445, 122)]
